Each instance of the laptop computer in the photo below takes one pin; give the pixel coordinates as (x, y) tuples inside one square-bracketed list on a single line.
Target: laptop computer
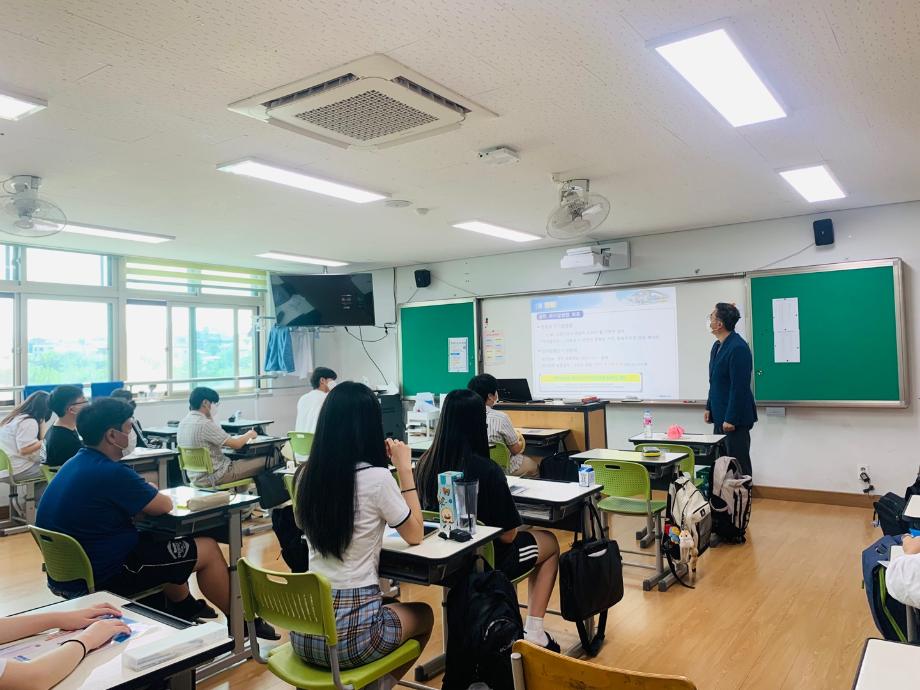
[(515, 390)]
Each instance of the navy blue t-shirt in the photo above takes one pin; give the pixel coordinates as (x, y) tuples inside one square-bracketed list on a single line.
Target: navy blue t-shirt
[(93, 499)]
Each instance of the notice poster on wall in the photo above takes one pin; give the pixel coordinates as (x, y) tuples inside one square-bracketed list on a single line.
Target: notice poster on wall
[(493, 347), (458, 350), (616, 344)]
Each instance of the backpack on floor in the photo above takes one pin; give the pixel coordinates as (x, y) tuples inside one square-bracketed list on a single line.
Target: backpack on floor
[(484, 622), (560, 467), (730, 497), (890, 615), (889, 510), (687, 509)]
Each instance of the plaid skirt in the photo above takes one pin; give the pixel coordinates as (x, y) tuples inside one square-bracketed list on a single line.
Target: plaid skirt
[(367, 630)]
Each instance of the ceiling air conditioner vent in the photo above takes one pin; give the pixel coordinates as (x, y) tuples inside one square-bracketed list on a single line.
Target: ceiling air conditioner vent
[(371, 103)]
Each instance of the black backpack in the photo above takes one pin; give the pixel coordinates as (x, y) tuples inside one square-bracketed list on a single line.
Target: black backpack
[(888, 511), (560, 467), (484, 622), (889, 614)]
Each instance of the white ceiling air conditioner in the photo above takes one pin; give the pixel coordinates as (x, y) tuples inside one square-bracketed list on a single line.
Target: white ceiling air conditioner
[(370, 103)]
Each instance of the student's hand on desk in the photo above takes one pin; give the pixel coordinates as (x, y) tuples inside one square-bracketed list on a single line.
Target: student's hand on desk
[(250, 435), (911, 545), (101, 632), (400, 454), (77, 620), (728, 427)]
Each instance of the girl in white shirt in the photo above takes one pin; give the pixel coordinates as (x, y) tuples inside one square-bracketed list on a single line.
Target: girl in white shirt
[(21, 434), (346, 497)]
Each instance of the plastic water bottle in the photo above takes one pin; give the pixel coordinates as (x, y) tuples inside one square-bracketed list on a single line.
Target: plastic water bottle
[(647, 423)]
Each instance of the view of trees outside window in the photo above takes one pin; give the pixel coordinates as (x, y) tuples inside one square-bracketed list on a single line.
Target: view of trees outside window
[(68, 341)]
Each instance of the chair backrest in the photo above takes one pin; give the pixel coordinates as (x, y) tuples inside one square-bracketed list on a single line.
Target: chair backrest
[(65, 560), (500, 454), (6, 465), (195, 460), (48, 472), (546, 670), (622, 479), (289, 485), (688, 464), (301, 442), (294, 601)]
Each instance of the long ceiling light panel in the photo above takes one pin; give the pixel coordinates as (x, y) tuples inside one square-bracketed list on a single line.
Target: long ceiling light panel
[(17, 107), (715, 67), (815, 183), (496, 231), (297, 258), (291, 178), (113, 234)]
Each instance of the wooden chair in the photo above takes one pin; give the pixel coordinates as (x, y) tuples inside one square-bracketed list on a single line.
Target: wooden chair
[(537, 668)]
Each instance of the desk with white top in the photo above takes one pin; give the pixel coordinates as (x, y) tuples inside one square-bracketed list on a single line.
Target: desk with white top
[(887, 666), (103, 668), (241, 426), (167, 433), (706, 447), (912, 511), (661, 467), (223, 523), (546, 502), (153, 459)]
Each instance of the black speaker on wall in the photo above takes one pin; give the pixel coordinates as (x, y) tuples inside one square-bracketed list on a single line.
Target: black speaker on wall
[(422, 278), (824, 231)]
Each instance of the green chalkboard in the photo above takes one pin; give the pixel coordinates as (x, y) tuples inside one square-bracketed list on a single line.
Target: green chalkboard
[(850, 335), (425, 333)]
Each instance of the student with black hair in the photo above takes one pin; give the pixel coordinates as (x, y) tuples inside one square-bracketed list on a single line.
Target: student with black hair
[(460, 444), (500, 428), (128, 396), (62, 441), (200, 429), (346, 497), (22, 432), (308, 407), (730, 406), (94, 497)]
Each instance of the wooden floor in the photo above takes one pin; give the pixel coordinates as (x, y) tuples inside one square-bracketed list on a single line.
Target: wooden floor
[(784, 611)]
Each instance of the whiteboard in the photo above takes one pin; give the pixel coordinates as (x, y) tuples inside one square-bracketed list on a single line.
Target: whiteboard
[(507, 343)]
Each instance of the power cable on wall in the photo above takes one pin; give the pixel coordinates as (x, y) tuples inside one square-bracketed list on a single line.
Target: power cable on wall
[(360, 339)]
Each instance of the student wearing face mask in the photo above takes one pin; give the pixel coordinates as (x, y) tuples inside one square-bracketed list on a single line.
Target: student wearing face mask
[(94, 497), (308, 407), (200, 429)]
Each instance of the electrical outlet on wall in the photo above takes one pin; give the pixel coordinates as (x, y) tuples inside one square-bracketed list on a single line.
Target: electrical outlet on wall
[(862, 469)]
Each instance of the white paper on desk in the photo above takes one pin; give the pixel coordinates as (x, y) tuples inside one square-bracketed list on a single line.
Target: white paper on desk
[(786, 343), (457, 355)]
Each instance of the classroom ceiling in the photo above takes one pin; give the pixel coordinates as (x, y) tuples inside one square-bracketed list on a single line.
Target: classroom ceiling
[(137, 118)]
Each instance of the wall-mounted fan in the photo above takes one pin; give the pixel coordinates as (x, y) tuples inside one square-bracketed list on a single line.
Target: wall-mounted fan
[(24, 213), (579, 211)]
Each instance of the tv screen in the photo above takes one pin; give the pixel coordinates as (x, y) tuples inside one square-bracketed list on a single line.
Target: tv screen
[(323, 300)]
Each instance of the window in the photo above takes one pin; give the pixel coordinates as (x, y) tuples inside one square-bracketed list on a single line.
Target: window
[(68, 341), (193, 278), (8, 258), (210, 342), (147, 342), (7, 342), (181, 347), (72, 268)]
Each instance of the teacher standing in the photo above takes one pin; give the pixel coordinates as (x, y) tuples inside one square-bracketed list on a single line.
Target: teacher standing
[(730, 406)]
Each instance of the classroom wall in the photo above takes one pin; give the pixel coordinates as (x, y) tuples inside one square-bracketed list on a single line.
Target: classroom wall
[(809, 448)]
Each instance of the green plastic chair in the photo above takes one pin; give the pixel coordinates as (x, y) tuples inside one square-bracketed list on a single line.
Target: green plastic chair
[(500, 453), (301, 442), (686, 466), (289, 485), (199, 460), (303, 602), (48, 472), (18, 522), (622, 482)]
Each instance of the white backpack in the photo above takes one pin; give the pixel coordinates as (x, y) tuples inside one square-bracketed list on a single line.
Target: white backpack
[(730, 500), (689, 510)]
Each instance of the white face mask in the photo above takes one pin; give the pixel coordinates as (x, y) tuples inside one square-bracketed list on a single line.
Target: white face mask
[(132, 444), (215, 408), (330, 384), (709, 326)]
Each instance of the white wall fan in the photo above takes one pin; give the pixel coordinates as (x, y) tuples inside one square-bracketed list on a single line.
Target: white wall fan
[(579, 211), (24, 213)]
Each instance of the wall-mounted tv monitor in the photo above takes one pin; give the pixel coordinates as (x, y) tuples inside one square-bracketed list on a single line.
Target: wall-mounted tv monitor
[(323, 300)]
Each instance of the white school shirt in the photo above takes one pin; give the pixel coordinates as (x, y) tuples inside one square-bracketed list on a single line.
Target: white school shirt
[(378, 503), (902, 579), (308, 408), (501, 430), (15, 434)]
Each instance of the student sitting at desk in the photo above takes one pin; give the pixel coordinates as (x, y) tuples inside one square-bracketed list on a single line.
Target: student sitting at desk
[(97, 624), (126, 395), (460, 444), (346, 497), (62, 441), (200, 429), (22, 432), (500, 428), (323, 380), (94, 497)]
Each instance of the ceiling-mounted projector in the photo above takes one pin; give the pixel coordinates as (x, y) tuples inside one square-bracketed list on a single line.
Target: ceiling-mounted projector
[(612, 257)]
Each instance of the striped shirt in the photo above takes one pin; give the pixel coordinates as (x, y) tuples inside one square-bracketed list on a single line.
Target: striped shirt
[(501, 430), (198, 431)]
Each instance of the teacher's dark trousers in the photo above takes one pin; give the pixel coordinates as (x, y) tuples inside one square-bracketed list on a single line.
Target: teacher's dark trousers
[(738, 446)]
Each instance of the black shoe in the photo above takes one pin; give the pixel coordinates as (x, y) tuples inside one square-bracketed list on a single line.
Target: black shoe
[(263, 630), (204, 610), (551, 644), (188, 609)]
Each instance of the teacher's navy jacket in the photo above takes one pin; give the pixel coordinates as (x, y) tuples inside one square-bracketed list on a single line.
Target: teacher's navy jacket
[(730, 397)]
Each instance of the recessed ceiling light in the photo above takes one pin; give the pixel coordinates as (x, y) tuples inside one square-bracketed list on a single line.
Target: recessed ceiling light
[(17, 107), (715, 67), (814, 183), (272, 173), (113, 234), (284, 256), (497, 231)]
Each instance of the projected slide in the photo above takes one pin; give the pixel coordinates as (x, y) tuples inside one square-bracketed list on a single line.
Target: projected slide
[(612, 344)]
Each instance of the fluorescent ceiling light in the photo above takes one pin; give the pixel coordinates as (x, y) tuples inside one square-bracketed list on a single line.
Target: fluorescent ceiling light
[(714, 66), (18, 107), (497, 231), (814, 183), (112, 234), (284, 256), (272, 173)]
